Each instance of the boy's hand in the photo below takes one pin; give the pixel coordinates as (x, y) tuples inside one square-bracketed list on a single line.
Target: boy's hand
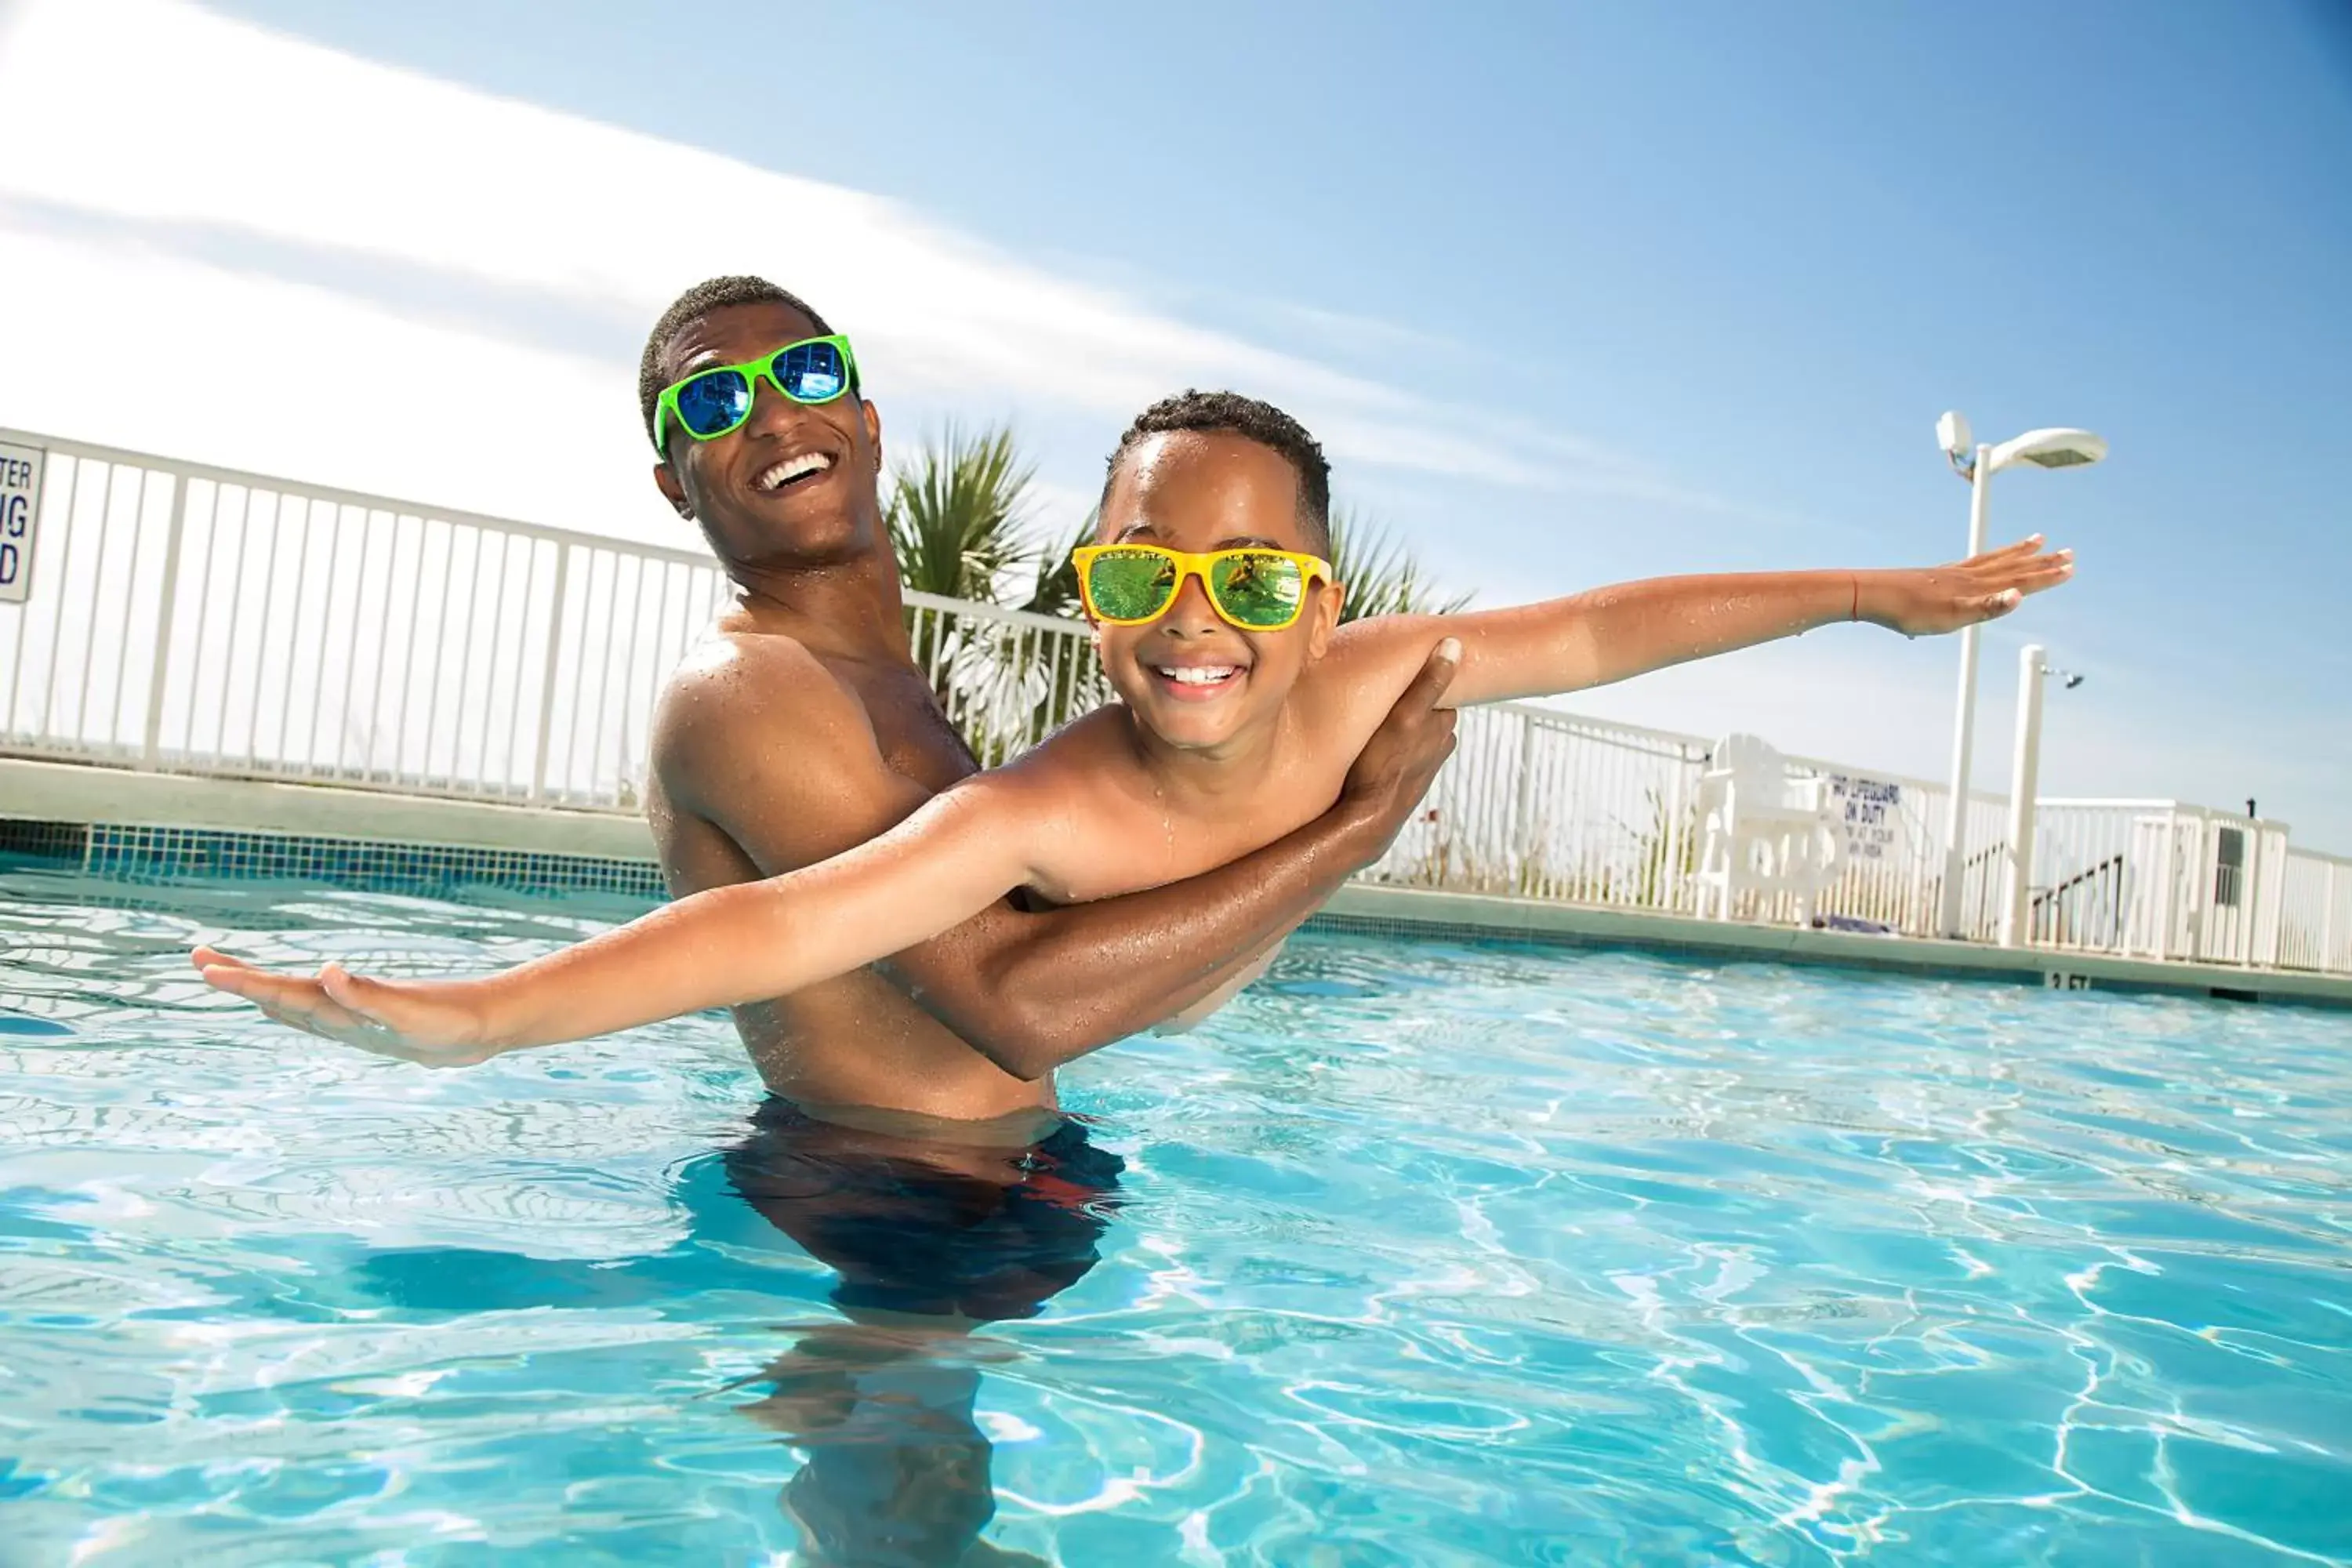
[(1936, 599), (437, 1024), (1395, 769)]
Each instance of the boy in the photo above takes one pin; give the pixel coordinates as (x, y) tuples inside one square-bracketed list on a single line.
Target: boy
[(1242, 702)]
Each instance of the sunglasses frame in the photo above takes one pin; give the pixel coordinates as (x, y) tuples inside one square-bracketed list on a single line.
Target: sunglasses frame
[(1196, 564), (754, 370)]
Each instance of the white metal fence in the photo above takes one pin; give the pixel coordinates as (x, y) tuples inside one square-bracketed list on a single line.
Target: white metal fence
[(189, 618), (195, 619)]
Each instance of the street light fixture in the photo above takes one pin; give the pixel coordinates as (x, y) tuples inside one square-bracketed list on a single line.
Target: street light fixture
[(2058, 447)]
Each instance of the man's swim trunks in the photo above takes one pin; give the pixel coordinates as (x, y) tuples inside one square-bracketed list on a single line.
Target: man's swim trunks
[(908, 1234)]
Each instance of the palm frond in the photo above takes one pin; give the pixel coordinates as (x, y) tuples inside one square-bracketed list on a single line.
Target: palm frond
[(1056, 589), (1382, 574), (955, 513)]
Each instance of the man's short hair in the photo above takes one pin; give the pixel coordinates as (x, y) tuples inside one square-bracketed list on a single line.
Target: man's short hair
[(711, 294), (1231, 413)]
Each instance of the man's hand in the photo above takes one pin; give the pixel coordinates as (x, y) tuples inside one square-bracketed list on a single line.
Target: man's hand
[(1395, 769), (437, 1024), (1937, 599)]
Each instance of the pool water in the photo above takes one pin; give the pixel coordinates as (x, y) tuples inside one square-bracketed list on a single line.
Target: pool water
[(1422, 1254)]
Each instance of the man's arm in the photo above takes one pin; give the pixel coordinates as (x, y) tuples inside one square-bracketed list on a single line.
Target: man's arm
[(1616, 633), (792, 775)]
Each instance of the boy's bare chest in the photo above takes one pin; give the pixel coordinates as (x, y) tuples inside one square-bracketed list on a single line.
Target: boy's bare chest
[(1153, 839)]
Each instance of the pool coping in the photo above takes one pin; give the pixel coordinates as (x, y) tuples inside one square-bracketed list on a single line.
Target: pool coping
[(138, 825), (1425, 913)]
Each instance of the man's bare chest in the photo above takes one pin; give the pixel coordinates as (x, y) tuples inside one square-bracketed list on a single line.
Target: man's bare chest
[(913, 735)]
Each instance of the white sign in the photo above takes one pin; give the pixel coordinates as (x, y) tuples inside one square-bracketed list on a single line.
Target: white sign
[(1873, 810), (20, 508)]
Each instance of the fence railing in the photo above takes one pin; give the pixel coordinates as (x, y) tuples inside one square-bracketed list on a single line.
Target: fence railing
[(2157, 878), (189, 618), (2315, 912), (196, 619)]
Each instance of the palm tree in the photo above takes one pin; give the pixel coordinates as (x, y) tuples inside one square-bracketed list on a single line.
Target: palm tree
[(1382, 576), (954, 514), (1055, 590), (957, 525)]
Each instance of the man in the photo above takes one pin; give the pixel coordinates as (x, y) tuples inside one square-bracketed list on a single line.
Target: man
[(801, 728)]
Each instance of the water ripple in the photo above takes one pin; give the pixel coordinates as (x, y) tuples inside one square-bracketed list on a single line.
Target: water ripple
[(1423, 1254)]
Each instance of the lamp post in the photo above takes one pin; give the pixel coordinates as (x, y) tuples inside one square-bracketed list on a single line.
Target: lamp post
[(2054, 447)]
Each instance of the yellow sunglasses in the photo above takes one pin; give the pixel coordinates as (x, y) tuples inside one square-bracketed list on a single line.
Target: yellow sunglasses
[(1252, 587)]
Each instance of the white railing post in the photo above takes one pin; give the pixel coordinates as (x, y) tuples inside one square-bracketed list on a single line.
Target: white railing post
[(1522, 808), (548, 668), (152, 745), (2025, 765), (1673, 884), (2266, 892), (2327, 920), (2168, 873)]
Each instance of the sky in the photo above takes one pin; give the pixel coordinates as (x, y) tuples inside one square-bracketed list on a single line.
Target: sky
[(1573, 293)]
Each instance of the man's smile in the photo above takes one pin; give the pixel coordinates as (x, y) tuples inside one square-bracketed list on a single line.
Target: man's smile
[(791, 470)]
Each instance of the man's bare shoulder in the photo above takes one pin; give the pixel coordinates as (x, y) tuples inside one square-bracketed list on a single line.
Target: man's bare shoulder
[(737, 694), (732, 677)]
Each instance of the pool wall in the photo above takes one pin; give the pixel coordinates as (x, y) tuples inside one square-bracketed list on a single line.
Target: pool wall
[(144, 827)]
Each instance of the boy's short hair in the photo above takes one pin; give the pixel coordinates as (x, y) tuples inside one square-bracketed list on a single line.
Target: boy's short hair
[(710, 294), (1262, 422)]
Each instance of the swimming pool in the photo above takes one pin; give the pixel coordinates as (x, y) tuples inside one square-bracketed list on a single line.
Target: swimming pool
[(1422, 1253)]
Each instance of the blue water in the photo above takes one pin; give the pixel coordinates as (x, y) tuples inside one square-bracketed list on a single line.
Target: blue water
[(1422, 1254)]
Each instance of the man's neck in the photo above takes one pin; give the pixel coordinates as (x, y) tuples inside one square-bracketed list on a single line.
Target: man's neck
[(848, 609)]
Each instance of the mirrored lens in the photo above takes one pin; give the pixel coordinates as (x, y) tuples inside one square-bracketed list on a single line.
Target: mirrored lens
[(1254, 589), (811, 372), (1130, 584), (715, 402)]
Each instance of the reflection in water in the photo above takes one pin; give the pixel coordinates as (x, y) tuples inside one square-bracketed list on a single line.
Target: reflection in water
[(931, 1239)]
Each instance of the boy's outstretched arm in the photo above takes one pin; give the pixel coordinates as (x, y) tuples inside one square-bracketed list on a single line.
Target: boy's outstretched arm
[(1616, 633), (961, 852)]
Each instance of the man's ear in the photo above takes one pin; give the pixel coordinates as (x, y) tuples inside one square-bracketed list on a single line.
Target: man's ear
[(873, 430), (665, 481)]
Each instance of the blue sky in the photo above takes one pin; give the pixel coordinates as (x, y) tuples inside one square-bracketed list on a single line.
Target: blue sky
[(1702, 275)]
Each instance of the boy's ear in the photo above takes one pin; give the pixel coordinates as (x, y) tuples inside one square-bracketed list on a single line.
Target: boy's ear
[(1329, 599)]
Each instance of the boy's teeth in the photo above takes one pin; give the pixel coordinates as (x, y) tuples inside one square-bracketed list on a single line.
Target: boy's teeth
[(1197, 674)]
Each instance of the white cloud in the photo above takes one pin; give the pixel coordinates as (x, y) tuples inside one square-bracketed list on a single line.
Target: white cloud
[(305, 203)]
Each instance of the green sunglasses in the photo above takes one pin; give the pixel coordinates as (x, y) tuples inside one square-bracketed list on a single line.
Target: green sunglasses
[(710, 403)]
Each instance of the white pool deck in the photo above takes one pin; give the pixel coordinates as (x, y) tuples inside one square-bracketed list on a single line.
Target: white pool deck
[(39, 791)]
